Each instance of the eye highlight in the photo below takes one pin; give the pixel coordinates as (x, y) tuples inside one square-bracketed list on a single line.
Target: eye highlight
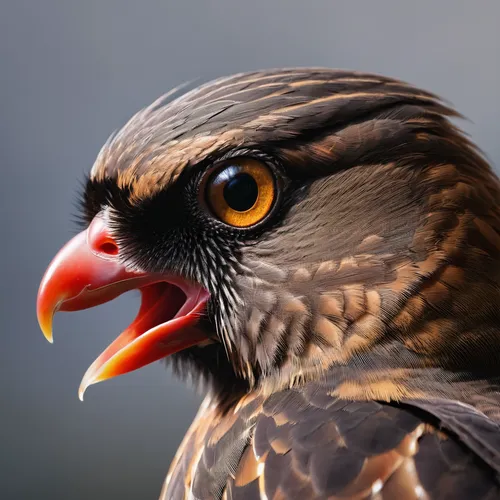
[(241, 192)]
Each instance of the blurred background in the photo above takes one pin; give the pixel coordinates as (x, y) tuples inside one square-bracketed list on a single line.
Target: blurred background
[(73, 71)]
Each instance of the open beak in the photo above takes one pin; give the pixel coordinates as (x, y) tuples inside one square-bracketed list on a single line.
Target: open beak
[(88, 272)]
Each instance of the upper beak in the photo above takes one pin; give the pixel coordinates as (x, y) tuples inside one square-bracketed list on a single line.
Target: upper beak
[(88, 271)]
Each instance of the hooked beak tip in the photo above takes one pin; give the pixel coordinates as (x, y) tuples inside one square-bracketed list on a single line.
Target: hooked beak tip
[(46, 327), (81, 392), (91, 377), (82, 389), (84, 386)]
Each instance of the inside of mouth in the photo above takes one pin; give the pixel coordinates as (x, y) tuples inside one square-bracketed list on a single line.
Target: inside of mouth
[(160, 302)]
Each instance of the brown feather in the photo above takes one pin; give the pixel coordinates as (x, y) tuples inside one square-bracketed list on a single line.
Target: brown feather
[(358, 355)]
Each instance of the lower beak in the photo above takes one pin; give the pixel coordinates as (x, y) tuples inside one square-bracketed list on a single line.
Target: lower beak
[(88, 271)]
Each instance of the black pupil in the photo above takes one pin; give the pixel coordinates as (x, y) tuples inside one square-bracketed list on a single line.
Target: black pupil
[(241, 192)]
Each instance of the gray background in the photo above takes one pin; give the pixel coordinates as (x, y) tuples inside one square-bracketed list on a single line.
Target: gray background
[(70, 73)]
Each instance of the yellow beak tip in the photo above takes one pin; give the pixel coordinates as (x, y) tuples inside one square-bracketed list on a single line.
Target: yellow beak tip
[(46, 327), (47, 333)]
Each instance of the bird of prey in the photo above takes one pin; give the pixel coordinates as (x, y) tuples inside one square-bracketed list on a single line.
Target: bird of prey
[(322, 249)]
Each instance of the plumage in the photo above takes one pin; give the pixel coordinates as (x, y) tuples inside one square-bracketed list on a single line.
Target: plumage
[(305, 442), (350, 343)]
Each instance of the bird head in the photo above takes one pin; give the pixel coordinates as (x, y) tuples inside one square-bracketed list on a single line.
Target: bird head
[(278, 223)]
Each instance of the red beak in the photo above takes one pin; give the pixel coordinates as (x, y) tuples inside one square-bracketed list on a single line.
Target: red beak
[(88, 271)]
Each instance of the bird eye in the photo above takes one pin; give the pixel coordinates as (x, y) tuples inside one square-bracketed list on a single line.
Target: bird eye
[(241, 192)]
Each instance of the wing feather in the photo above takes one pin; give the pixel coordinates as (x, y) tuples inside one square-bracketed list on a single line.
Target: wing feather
[(305, 443)]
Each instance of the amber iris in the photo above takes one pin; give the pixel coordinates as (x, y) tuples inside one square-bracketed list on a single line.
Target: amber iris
[(241, 192)]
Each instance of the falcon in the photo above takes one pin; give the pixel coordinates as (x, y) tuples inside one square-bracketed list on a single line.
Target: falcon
[(320, 249)]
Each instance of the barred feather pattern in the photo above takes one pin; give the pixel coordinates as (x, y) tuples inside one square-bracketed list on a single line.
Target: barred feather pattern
[(308, 443), (355, 351)]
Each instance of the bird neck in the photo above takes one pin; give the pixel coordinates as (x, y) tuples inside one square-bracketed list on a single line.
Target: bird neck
[(434, 329)]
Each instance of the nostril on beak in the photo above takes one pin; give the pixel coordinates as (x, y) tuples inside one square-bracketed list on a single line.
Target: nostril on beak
[(108, 247), (100, 239)]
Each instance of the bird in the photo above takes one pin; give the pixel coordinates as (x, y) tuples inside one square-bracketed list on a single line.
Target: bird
[(319, 249)]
